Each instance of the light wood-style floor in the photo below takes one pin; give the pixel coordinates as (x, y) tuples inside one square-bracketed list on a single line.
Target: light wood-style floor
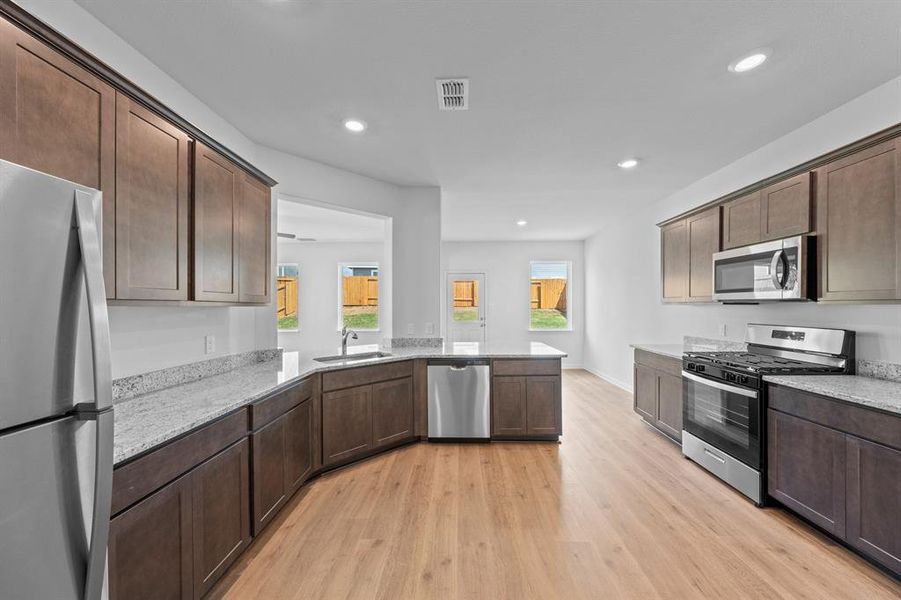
[(613, 511)]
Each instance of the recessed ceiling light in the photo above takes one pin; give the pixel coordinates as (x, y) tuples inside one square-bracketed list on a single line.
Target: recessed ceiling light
[(355, 125), (751, 61), (629, 163), (522, 222)]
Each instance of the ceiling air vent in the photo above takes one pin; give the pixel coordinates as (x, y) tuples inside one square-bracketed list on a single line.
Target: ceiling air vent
[(453, 94)]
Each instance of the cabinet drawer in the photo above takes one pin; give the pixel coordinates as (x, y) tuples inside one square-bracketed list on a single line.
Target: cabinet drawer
[(863, 422), (137, 479), (268, 409), (667, 364), (528, 366), (336, 380)]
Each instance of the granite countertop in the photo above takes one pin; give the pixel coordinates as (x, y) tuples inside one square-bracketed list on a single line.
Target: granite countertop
[(146, 421), (875, 393), (671, 350)]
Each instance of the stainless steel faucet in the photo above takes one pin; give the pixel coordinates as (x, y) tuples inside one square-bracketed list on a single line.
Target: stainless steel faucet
[(346, 333)]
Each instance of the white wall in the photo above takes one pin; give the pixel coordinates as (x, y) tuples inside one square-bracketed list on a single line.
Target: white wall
[(319, 292), (622, 262), (149, 338), (506, 266)]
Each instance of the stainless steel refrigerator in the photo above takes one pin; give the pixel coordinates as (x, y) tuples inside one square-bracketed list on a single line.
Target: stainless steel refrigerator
[(56, 417)]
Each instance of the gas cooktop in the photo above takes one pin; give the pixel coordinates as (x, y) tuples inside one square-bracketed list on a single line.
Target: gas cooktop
[(762, 363)]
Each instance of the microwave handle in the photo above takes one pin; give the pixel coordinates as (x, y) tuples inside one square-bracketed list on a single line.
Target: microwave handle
[(779, 280)]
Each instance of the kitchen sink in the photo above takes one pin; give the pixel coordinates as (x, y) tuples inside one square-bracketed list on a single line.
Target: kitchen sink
[(346, 357)]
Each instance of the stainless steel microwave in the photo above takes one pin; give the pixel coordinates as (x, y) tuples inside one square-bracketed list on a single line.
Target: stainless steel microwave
[(777, 270)]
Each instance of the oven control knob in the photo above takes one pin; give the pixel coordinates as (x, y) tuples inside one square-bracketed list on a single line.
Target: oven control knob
[(729, 376), (743, 379), (692, 366), (700, 368)]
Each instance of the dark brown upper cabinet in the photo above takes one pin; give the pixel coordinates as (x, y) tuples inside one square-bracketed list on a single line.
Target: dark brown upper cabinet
[(859, 225), (218, 186), (686, 256), (58, 118), (785, 208), (703, 242), (674, 261), (255, 226), (741, 221), (151, 225)]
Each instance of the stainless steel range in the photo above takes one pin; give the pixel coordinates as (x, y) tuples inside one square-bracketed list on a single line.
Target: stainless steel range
[(724, 399)]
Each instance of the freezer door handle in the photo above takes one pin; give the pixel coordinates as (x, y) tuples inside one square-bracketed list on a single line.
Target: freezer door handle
[(103, 491), (89, 242)]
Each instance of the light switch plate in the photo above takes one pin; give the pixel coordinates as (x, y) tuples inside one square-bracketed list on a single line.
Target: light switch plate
[(429, 328), (411, 328), (210, 343), (723, 330)]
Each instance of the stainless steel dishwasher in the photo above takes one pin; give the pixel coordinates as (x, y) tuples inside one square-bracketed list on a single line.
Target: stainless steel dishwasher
[(458, 399)]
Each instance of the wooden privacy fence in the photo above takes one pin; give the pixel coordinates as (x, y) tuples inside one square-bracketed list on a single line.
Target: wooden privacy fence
[(466, 294), (549, 293), (286, 295), (361, 290)]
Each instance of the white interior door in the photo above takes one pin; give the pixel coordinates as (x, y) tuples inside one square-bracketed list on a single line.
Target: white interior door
[(466, 307)]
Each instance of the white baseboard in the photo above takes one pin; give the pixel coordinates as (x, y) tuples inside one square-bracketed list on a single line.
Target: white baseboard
[(623, 386)]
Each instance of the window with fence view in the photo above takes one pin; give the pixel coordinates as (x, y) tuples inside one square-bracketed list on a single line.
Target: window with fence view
[(286, 293), (549, 295), (360, 296)]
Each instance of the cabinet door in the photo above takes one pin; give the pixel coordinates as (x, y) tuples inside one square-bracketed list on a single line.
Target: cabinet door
[(298, 444), (669, 404), (152, 165), (543, 405), (269, 472), (392, 411), (874, 501), (704, 241), (58, 118), (859, 225), (255, 226), (508, 413), (806, 470), (674, 261), (785, 208), (346, 424), (741, 221), (645, 392), (221, 498), (151, 547), (217, 192)]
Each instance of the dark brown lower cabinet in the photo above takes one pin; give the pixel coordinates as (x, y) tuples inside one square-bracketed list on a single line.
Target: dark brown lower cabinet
[(846, 484), (526, 406), (657, 393), (806, 469), (221, 514), (151, 554), (179, 541), (299, 436), (346, 424), (874, 501), (392, 411)]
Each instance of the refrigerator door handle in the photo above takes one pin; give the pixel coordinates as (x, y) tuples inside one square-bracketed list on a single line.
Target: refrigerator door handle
[(103, 491), (89, 242)]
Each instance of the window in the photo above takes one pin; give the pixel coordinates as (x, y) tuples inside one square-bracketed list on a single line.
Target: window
[(286, 291), (466, 300), (359, 308), (550, 295)]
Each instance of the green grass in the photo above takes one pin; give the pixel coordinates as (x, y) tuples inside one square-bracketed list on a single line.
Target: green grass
[(548, 318), (361, 317), (466, 314), (289, 322)]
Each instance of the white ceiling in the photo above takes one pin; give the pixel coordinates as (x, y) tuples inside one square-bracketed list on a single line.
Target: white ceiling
[(327, 225), (560, 91)]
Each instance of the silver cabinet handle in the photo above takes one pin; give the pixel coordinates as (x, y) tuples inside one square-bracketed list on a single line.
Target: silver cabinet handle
[(714, 456), (89, 242), (103, 492)]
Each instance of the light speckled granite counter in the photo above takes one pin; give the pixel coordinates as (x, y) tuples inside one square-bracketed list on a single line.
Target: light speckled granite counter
[(866, 391), (146, 421), (693, 344), (671, 350)]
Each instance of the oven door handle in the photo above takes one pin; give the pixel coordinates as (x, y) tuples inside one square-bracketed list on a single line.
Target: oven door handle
[(720, 386)]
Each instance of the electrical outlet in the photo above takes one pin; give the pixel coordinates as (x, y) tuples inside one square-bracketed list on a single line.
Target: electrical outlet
[(723, 330), (429, 328), (411, 328), (210, 343)]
